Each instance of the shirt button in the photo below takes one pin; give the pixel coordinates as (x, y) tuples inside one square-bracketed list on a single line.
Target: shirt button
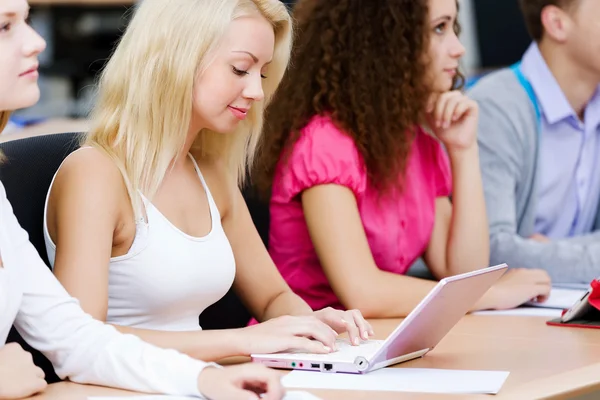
[(403, 224)]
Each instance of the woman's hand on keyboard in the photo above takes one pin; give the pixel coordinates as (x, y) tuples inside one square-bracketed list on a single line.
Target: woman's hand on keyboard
[(351, 321), (306, 334)]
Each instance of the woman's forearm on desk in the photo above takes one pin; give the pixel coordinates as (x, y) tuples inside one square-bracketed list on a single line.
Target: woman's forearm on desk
[(387, 295)]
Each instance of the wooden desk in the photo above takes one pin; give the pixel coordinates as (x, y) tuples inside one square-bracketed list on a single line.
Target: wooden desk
[(544, 362)]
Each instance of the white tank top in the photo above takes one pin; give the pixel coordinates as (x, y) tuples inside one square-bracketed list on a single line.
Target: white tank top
[(167, 278)]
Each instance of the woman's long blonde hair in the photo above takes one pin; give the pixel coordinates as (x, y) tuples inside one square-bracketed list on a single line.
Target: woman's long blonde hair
[(144, 106)]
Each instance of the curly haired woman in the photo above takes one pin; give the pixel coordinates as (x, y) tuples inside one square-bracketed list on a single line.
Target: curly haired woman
[(353, 160)]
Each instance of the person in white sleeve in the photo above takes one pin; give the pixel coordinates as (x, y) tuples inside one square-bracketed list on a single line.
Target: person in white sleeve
[(81, 349)]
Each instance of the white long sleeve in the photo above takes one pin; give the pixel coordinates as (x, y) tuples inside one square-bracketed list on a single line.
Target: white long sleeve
[(80, 348)]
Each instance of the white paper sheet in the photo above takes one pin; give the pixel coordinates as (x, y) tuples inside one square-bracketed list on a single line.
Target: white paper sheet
[(417, 380), (560, 298), (298, 395), (290, 395), (147, 397), (524, 312), (576, 286)]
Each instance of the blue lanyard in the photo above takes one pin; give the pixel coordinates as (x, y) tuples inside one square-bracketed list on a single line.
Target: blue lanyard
[(516, 69)]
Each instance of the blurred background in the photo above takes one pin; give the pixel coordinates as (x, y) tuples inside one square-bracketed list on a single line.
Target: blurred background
[(81, 34)]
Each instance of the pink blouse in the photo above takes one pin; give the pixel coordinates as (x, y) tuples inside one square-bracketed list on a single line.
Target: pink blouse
[(398, 226)]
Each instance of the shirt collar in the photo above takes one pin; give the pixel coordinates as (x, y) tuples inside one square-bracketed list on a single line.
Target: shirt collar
[(592, 111), (553, 103)]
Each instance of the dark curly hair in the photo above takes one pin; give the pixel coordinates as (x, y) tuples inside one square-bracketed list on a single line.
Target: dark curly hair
[(363, 63)]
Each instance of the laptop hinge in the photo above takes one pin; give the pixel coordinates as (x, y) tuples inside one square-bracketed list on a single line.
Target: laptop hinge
[(362, 364)]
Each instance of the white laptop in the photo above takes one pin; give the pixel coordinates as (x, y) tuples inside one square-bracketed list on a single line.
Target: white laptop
[(416, 335)]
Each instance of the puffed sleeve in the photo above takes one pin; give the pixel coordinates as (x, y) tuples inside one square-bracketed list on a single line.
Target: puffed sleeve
[(322, 155)]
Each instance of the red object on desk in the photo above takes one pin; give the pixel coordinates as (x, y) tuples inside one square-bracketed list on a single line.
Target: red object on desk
[(589, 321)]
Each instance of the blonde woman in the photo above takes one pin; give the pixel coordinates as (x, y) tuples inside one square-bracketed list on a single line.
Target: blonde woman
[(81, 348), (145, 225)]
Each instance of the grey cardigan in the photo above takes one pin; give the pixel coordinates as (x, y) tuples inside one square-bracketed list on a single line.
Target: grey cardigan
[(508, 145)]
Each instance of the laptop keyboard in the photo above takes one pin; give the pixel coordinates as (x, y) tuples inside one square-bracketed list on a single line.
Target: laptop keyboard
[(347, 352), (365, 348)]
